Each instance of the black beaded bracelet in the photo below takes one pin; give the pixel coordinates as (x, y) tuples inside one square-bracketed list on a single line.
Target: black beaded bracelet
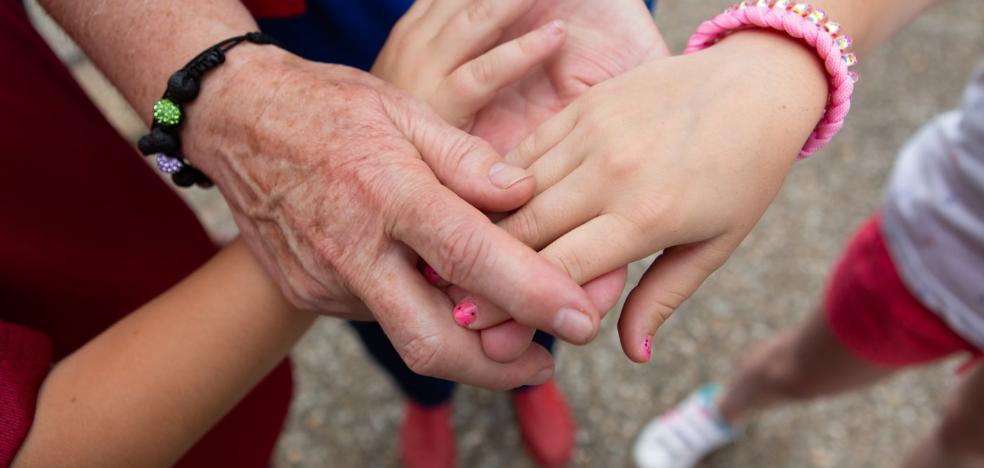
[(183, 87)]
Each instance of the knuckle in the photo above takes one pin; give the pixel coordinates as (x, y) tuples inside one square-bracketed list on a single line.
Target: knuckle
[(462, 250), (328, 252), (303, 293), (454, 153), (631, 227), (592, 128), (525, 153), (402, 27), (524, 226), (528, 44), (458, 89), (482, 71), (594, 102), (422, 355), (665, 303), (573, 265), (405, 210), (480, 12), (618, 166)]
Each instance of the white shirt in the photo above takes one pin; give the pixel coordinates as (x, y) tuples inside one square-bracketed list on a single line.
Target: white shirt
[(933, 217)]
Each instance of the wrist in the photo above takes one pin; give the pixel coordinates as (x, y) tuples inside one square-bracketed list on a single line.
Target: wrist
[(777, 64), (771, 80), (232, 98), (778, 69), (809, 25)]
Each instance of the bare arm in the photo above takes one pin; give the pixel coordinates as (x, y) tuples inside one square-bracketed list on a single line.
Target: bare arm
[(145, 390), (338, 181), (138, 44), (872, 22), (686, 153)]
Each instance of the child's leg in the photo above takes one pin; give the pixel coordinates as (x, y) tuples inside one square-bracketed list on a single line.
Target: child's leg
[(958, 440), (802, 363), (869, 326)]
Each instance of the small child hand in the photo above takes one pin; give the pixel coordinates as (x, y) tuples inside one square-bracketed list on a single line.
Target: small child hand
[(444, 52)]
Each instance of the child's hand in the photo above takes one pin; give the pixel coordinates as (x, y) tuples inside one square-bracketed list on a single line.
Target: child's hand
[(443, 52), (624, 172)]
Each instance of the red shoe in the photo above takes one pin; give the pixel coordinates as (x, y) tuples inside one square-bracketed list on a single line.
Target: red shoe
[(427, 438), (546, 424)]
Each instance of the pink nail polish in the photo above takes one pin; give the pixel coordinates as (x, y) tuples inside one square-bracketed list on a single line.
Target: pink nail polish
[(647, 347), (465, 313), (434, 278)]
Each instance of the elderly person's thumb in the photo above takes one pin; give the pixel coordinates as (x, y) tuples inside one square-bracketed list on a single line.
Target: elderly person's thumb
[(470, 167)]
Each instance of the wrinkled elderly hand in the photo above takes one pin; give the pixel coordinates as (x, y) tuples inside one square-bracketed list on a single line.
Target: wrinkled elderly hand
[(338, 181)]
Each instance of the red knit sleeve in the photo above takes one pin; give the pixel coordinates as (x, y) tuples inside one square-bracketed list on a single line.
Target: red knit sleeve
[(25, 356), (275, 8)]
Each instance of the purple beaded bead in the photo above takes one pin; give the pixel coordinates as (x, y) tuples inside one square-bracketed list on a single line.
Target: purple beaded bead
[(168, 164)]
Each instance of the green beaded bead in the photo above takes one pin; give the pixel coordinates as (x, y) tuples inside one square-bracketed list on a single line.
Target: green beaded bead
[(167, 113)]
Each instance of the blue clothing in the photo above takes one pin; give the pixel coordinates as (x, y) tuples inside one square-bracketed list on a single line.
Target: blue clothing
[(424, 391), (341, 31), (338, 31)]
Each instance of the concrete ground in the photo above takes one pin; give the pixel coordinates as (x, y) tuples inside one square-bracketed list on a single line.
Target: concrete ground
[(346, 412)]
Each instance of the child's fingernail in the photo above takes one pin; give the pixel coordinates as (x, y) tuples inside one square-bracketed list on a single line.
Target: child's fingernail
[(555, 27), (504, 176), (433, 277), (465, 313), (647, 347)]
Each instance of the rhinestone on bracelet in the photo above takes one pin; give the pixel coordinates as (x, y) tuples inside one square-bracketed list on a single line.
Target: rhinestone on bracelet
[(815, 16)]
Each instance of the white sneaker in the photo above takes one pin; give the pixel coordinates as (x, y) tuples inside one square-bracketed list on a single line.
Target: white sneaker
[(683, 436)]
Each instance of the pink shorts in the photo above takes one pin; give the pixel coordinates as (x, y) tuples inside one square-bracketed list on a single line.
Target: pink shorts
[(870, 310)]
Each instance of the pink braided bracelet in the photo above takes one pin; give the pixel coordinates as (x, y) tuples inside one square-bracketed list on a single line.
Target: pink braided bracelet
[(800, 21)]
